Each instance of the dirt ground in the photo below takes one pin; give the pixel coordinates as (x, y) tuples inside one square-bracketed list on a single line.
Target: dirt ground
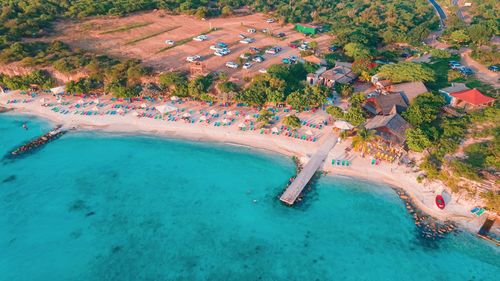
[(90, 35)]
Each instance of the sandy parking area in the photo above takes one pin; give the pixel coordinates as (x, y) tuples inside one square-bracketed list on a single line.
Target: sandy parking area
[(90, 35)]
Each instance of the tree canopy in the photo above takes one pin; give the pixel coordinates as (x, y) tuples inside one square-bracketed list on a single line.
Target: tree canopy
[(407, 71)]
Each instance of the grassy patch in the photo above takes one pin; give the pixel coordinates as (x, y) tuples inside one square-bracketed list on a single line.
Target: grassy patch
[(440, 67), (151, 35), (127, 27)]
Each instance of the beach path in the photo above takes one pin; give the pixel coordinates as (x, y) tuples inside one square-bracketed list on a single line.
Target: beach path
[(293, 191)]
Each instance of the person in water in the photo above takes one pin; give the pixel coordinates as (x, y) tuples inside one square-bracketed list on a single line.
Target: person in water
[(25, 126)]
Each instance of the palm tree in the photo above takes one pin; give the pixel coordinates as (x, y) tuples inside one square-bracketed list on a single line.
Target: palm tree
[(362, 138)]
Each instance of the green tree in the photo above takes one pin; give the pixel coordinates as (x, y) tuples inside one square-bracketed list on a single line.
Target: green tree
[(362, 138), (460, 36), (344, 90), (355, 116), (265, 116), (424, 109), (292, 121), (407, 71), (335, 112), (357, 51), (417, 140)]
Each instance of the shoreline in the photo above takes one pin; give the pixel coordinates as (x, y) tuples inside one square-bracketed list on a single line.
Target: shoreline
[(457, 212)]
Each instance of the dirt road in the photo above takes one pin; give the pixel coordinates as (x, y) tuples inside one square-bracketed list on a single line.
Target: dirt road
[(482, 72)]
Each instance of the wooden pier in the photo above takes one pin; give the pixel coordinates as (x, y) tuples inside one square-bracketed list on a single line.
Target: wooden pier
[(295, 188), (485, 229), (38, 142)]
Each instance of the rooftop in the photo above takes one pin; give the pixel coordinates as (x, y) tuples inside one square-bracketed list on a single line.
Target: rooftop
[(394, 124), (473, 96)]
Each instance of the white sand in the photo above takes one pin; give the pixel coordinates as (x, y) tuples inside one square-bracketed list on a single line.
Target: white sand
[(423, 195)]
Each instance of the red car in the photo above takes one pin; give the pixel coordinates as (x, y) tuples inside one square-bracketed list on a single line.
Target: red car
[(440, 202), (293, 46)]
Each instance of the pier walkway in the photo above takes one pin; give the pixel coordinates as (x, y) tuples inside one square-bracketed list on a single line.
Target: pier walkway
[(295, 188)]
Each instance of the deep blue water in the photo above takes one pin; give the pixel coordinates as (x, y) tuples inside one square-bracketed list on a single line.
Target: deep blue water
[(101, 207)]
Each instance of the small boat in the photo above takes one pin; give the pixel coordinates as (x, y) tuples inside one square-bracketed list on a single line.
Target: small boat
[(440, 202)]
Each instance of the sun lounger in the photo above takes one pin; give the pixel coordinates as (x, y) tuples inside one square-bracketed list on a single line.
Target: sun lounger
[(474, 210), (480, 212)]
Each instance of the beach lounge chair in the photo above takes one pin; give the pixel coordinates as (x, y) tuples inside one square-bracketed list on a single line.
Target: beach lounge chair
[(474, 210), (480, 212)]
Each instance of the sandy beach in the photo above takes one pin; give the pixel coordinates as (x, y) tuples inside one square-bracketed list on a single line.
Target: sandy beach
[(423, 195)]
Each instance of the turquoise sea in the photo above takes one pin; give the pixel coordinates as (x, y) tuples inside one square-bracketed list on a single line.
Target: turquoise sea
[(91, 206)]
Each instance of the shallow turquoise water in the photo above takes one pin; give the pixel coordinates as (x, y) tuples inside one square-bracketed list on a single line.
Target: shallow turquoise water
[(101, 207)]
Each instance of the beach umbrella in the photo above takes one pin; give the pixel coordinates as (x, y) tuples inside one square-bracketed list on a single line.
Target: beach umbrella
[(97, 101), (120, 110), (248, 117), (309, 133), (229, 113), (43, 100), (203, 118), (95, 108), (174, 98), (80, 101), (275, 130), (225, 121), (59, 100), (165, 108), (186, 115), (144, 105), (343, 125), (212, 112), (242, 125), (135, 113)]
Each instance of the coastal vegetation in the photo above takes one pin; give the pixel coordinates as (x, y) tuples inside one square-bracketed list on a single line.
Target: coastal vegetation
[(24, 82)]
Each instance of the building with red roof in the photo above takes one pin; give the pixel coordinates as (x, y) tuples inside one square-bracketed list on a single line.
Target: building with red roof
[(470, 99)]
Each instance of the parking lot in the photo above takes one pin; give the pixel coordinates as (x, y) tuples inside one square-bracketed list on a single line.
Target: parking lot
[(147, 42)]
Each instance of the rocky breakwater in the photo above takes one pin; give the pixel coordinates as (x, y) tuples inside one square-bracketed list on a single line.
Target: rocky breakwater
[(38, 142), (429, 228)]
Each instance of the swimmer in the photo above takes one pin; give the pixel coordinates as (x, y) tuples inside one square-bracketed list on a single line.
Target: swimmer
[(25, 126)]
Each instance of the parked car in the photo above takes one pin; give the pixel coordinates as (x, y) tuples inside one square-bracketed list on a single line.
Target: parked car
[(242, 36), (222, 52), (333, 48), (258, 59), (280, 35), (247, 40), (265, 30), (254, 50), (231, 64), (193, 58), (293, 46), (273, 50), (466, 71), (494, 68), (169, 42), (200, 38), (271, 20), (453, 62), (456, 66), (221, 44), (263, 70), (247, 65), (251, 30), (293, 59), (286, 61), (303, 47)]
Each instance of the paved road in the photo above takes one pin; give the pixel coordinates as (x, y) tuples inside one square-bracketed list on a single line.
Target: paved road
[(439, 10)]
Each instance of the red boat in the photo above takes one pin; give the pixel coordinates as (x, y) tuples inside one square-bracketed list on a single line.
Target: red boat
[(440, 201)]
